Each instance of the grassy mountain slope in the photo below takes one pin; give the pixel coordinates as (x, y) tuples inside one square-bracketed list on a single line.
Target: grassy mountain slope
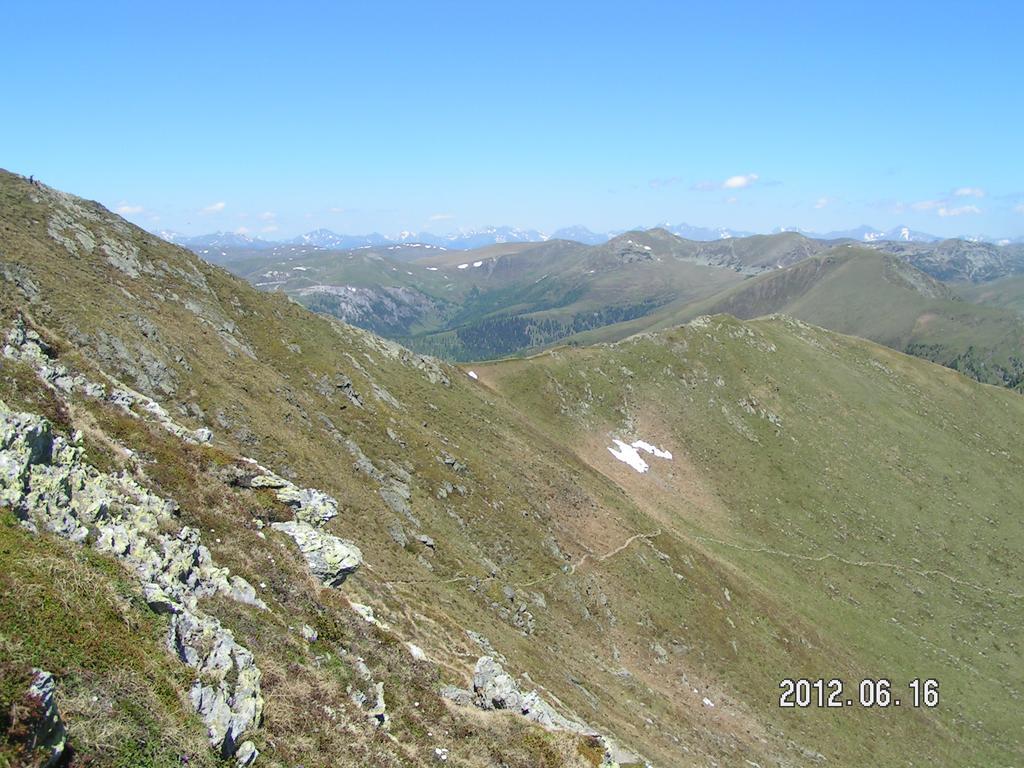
[(874, 495), (875, 296), (882, 503), (496, 300), (1007, 293)]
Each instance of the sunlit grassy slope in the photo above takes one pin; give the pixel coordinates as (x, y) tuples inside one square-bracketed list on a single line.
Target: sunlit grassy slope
[(873, 295), (875, 496), (867, 526)]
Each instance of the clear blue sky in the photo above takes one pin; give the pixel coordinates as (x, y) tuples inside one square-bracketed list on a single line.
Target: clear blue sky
[(384, 116)]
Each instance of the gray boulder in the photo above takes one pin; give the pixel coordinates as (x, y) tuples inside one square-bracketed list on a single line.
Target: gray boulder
[(329, 558)]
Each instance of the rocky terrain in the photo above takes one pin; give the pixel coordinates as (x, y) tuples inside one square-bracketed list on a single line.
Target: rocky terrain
[(235, 532)]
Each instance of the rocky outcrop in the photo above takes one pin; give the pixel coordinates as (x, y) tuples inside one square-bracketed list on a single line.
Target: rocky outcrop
[(26, 346), (49, 733), (329, 558), (494, 688), (44, 479), (227, 694)]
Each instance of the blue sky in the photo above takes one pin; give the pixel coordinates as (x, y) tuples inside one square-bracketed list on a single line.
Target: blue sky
[(278, 118)]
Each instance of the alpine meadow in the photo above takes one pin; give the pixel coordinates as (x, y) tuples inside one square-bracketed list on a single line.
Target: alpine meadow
[(511, 387)]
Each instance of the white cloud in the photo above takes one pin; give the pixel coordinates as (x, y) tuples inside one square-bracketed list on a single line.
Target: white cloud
[(969, 192), (215, 207), (268, 216), (927, 205), (739, 182), (125, 210), (1019, 208), (822, 202), (338, 210), (960, 211), (442, 216), (731, 200)]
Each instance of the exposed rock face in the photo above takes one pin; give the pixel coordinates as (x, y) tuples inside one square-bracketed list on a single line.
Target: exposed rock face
[(48, 485), (227, 695), (25, 345), (50, 732), (329, 558), (494, 688)]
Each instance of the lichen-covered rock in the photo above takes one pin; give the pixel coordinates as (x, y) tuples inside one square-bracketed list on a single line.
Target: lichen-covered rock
[(44, 479), (329, 558), (25, 345), (494, 688), (227, 694), (50, 732), (311, 506)]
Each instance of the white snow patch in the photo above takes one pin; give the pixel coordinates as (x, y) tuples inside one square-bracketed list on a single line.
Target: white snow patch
[(653, 450), (463, 266), (432, 269), (472, 375), (477, 263), (708, 702), (628, 454)]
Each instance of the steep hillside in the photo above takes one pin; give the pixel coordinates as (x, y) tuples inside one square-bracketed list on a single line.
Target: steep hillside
[(231, 526)]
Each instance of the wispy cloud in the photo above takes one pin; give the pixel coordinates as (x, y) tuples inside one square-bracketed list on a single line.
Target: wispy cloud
[(664, 182), (739, 182), (126, 210), (927, 205), (242, 231), (215, 207), (1019, 208), (962, 210), (733, 182), (969, 192), (267, 216), (822, 202), (442, 216)]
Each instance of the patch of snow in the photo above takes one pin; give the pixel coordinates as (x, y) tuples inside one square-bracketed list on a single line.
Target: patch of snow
[(477, 263), (432, 269), (627, 454), (654, 451), (300, 269), (472, 375), (708, 702), (463, 266)]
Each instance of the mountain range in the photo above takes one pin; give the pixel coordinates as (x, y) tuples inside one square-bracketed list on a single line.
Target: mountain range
[(469, 239)]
